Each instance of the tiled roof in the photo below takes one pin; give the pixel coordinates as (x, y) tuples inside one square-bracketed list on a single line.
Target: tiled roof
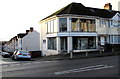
[(103, 12), (21, 35), (79, 9)]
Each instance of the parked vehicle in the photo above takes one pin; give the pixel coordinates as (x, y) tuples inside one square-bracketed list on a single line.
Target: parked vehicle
[(5, 54), (21, 54)]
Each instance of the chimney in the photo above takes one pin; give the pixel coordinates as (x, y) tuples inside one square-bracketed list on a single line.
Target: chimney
[(27, 31), (108, 6), (31, 29)]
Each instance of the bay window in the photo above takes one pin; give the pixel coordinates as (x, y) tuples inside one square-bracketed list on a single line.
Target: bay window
[(83, 25), (63, 24)]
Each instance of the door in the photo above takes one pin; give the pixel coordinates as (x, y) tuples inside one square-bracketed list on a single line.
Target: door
[(44, 45), (63, 43), (102, 40)]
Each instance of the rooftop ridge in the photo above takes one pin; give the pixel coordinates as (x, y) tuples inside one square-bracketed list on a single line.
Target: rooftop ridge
[(80, 9)]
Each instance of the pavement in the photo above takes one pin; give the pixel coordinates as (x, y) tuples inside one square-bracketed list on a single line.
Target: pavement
[(60, 57), (80, 55)]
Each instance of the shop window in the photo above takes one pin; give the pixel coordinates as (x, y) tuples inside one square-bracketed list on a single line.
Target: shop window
[(52, 43), (80, 43)]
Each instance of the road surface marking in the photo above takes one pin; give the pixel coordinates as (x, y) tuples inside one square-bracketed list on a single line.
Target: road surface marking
[(97, 67), (17, 64), (12, 65), (28, 63), (24, 63), (4, 65)]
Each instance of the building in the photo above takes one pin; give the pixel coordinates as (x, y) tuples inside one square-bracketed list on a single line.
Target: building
[(2, 45), (31, 41), (78, 28), (28, 41)]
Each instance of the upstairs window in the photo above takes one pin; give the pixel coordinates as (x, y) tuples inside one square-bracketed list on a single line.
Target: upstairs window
[(63, 24), (102, 23), (51, 26), (83, 25)]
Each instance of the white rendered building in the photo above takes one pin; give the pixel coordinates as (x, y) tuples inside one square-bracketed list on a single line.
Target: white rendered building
[(78, 28)]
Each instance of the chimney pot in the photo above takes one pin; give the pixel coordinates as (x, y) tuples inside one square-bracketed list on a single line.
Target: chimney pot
[(31, 29), (108, 6), (27, 31)]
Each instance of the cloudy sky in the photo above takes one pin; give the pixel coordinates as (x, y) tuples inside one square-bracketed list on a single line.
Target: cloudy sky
[(17, 16)]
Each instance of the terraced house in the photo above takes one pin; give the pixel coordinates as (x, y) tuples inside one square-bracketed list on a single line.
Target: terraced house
[(28, 41), (78, 28)]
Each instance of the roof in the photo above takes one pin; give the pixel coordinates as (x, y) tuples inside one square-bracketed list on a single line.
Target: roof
[(80, 9), (103, 13), (21, 35)]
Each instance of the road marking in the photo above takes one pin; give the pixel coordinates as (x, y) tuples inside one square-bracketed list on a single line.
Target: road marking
[(28, 63), (34, 62), (4, 65), (47, 61), (17, 64), (24, 63), (12, 65), (97, 67), (38, 62)]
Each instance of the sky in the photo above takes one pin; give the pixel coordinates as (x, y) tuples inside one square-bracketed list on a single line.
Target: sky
[(17, 16)]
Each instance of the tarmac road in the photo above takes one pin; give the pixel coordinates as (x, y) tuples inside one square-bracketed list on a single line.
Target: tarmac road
[(89, 67)]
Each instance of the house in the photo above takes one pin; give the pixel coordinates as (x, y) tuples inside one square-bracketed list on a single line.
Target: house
[(28, 41), (2, 45), (76, 28), (31, 41)]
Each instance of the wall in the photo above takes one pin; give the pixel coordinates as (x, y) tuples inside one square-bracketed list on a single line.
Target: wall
[(43, 37), (31, 42)]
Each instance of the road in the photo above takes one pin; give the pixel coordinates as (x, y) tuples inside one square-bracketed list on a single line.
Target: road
[(90, 67)]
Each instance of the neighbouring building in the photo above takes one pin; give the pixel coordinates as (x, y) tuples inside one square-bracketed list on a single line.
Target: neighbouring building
[(31, 41), (2, 45), (78, 28), (28, 41)]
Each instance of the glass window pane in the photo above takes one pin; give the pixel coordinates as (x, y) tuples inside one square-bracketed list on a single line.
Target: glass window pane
[(55, 25), (63, 43), (83, 25), (74, 26), (52, 27), (48, 26), (52, 43), (63, 24), (80, 43)]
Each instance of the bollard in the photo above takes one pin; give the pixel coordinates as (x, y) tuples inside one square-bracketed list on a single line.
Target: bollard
[(100, 52), (86, 53), (113, 50), (71, 55)]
